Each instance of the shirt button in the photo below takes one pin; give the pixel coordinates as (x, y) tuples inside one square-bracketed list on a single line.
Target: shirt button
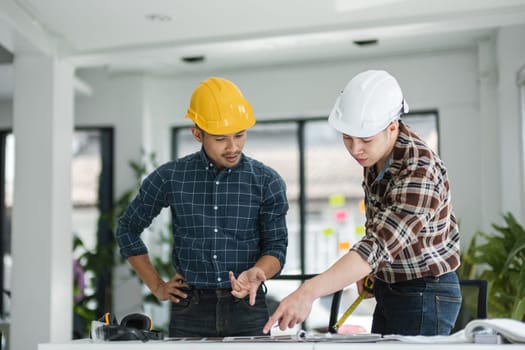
[(217, 182), (215, 256), (215, 207), (219, 279), (215, 230)]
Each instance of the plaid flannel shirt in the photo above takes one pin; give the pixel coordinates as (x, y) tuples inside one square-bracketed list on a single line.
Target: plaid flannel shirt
[(411, 230)]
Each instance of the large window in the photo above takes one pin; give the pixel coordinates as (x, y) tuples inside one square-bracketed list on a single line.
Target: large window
[(326, 199), (91, 194)]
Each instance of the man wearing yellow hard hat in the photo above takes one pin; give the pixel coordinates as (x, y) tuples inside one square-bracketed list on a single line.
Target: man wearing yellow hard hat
[(411, 245), (229, 227)]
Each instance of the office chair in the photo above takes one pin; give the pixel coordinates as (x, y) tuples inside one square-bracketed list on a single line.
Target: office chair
[(475, 297), (474, 304)]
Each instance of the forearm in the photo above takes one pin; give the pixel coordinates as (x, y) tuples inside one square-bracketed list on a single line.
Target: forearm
[(269, 264), (146, 271), (349, 269)]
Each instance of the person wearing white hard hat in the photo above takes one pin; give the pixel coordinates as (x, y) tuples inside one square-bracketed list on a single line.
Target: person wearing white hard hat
[(411, 245)]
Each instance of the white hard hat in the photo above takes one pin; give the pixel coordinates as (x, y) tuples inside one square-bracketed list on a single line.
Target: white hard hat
[(367, 104)]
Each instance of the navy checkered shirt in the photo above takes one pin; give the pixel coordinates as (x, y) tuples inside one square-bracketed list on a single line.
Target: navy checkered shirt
[(222, 220)]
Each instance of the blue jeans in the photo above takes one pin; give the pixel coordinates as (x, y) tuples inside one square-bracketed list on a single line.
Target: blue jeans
[(424, 306), (217, 313)]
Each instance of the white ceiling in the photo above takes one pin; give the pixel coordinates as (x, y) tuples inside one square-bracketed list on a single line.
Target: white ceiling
[(153, 35)]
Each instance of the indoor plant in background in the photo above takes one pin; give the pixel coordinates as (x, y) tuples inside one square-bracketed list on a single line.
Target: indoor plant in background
[(92, 263), (499, 258)]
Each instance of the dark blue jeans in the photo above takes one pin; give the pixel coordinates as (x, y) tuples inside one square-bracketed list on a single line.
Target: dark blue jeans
[(424, 306), (217, 313)]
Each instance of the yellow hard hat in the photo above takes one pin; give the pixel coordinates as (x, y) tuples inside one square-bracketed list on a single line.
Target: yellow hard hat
[(218, 107)]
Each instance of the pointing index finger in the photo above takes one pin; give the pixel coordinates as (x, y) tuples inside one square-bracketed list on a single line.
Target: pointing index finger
[(273, 321)]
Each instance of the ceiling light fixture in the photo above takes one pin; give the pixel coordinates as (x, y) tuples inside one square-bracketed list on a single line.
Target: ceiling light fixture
[(193, 59), (158, 17), (6, 57), (367, 42)]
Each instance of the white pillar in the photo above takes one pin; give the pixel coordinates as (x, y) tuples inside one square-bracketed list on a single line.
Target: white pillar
[(41, 227), (491, 198), (521, 86)]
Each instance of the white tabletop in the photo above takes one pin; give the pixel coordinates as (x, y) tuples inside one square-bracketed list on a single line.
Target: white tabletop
[(86, 344)]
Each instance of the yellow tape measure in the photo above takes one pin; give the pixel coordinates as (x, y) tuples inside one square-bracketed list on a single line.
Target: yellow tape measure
[(368, 287)]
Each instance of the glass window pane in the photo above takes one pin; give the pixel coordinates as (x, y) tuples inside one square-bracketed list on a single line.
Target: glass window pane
[(86, 168), (276, 145), (6, 229), (425, 125), (333, 197), (186, 144)]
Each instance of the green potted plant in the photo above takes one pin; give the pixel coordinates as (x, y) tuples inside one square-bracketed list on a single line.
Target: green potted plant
[(92, 263), (499, 258)]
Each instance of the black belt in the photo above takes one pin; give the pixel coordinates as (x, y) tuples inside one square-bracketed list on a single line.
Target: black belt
[(211, 290)]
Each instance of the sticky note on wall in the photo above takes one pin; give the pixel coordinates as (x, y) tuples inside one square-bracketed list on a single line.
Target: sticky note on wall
[(344, 245), (328, 231), (362, 206), (337, 200), (341, 215)]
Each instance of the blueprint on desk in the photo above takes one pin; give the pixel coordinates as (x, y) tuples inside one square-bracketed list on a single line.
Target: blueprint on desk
[(303, 336)]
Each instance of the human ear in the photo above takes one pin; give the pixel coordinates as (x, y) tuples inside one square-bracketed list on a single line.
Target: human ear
[(393, 125), (197, 134)]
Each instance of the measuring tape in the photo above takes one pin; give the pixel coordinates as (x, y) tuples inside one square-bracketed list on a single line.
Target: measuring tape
[(368, 287)]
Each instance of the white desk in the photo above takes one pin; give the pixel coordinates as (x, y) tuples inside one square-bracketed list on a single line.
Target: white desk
[(179, 345)]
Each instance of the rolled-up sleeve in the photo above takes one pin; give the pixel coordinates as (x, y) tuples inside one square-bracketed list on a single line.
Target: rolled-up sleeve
[(274, 231), (397, 223)]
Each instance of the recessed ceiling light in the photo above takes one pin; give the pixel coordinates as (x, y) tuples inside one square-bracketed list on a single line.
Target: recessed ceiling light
[(193, 59), (6, 57), (367, 42), (158, 17)]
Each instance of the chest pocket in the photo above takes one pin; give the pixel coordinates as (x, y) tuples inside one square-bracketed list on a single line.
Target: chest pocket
[(241, 213)]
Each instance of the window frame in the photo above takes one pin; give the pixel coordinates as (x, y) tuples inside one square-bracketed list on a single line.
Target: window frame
[(302, 196), (105, 203)]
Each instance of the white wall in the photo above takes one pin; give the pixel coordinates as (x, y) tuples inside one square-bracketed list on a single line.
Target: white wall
[(511, 59), (116, 101)]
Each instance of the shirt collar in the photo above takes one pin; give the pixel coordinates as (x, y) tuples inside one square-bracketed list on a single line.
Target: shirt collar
[(208, 164), (400, 154), (403, 154)]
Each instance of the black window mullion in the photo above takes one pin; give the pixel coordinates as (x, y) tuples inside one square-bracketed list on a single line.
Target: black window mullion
[(3, 226), (302, 198), (105, 236)]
